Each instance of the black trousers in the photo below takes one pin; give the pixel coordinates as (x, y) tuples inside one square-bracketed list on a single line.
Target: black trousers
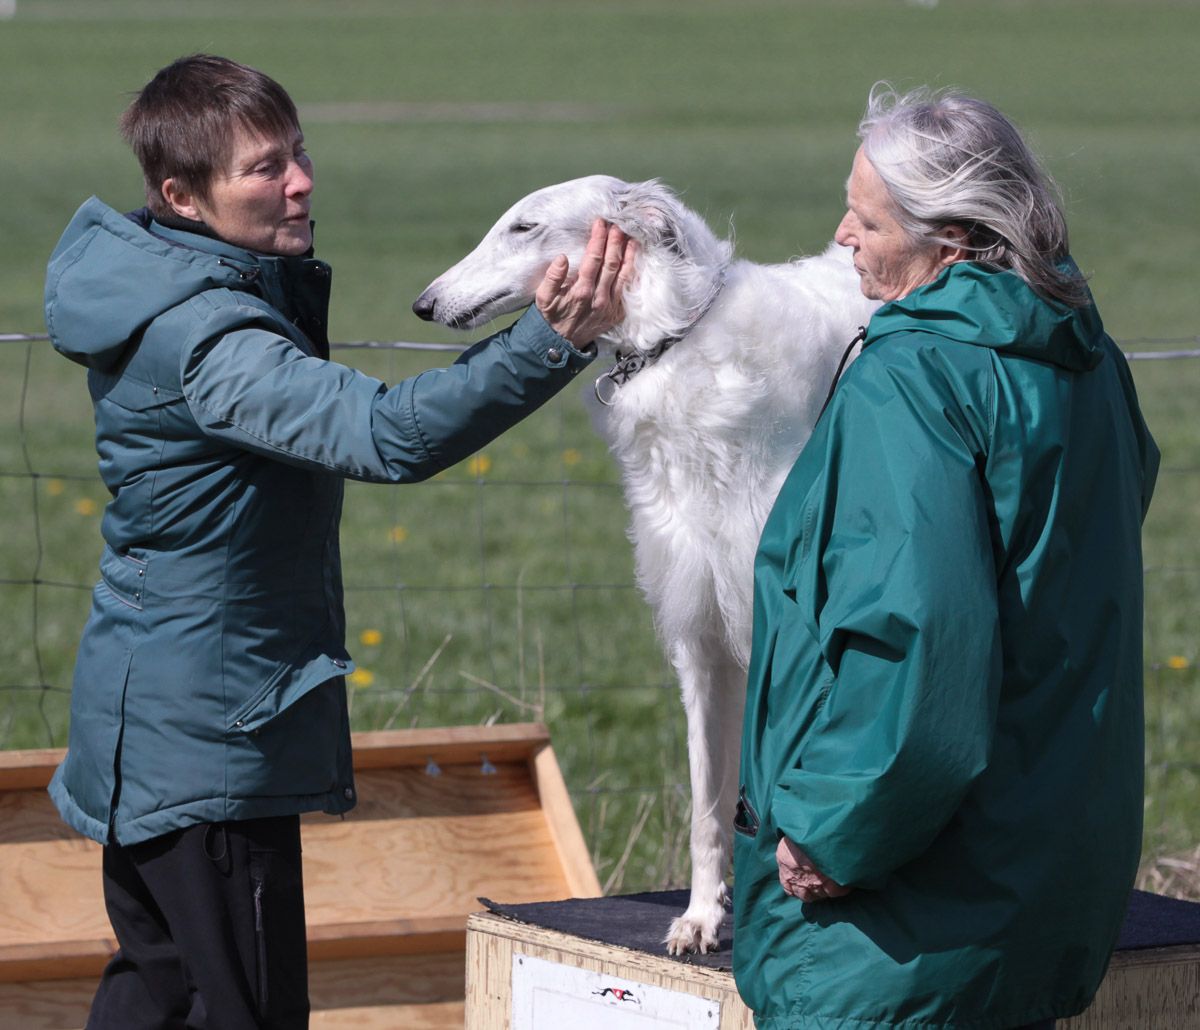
[(210, 926)]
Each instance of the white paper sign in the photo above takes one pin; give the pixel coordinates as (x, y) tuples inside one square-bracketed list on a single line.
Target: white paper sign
[(553, 996)]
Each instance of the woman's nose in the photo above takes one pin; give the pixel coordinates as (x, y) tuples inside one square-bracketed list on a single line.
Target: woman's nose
[(300, 179), (844, 234)]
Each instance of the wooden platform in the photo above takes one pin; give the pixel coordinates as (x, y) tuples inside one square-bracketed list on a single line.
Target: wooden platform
[(1146, 988), (443, 817)]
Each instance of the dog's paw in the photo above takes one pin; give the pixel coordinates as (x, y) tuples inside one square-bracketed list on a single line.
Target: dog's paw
[(690, 932)]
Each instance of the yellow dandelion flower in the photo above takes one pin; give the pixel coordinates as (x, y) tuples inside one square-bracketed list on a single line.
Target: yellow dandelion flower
[(86, 506), (54, 487), (479, 466), (362, 678), (397, 534), (370, 638), (1177, 661), (572, 456)]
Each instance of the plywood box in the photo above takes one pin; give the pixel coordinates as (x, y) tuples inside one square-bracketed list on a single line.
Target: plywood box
[(444, 816), (614, 981)]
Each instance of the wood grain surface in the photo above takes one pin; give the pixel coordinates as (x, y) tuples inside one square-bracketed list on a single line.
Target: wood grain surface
[(443, 817)]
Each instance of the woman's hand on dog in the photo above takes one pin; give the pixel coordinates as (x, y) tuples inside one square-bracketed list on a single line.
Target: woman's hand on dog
[(801, 879), (581, 306)]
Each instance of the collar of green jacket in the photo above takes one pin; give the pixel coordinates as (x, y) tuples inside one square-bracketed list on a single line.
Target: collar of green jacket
[(98, 301), (970, 303)]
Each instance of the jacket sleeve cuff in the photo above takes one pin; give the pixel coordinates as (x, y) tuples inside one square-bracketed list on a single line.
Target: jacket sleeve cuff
[(532, 332)]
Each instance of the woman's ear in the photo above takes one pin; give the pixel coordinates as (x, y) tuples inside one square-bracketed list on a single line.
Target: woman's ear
[(956, 249), (181, 200)]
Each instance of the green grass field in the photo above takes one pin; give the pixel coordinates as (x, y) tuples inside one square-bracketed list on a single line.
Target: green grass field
[(501, 591)]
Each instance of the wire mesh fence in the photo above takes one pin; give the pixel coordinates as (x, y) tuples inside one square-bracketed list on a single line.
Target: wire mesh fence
[(502, 590)]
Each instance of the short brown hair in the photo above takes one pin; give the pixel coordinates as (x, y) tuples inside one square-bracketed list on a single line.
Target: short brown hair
[(181, 125)]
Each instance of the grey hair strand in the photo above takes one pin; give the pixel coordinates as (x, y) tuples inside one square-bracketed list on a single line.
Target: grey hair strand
[(950, 159)]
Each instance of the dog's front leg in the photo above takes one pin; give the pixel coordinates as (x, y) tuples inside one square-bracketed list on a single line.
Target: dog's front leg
[(713, 686)]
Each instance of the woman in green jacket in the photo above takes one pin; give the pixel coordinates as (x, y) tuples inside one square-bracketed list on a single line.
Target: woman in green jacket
[(940, 818), (208, 707)]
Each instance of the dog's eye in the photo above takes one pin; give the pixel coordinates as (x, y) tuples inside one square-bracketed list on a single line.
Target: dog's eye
[(522, 227)]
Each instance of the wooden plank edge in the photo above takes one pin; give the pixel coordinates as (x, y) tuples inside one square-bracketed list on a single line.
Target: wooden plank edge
[(448, 745), (564, 829), (59, 960), (29, 770), (64, 960), (377, 749), (1178, 953), (366, 946), (397, 931)]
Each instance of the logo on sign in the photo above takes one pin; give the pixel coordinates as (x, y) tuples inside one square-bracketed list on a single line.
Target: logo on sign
[(619, 993)]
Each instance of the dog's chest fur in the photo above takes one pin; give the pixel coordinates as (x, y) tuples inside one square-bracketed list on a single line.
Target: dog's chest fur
[(705, 435)]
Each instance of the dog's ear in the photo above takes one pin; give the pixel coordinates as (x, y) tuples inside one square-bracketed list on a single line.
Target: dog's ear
[(649, 212)]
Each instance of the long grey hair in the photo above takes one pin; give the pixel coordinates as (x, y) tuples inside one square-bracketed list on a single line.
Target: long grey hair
[(950, 159)]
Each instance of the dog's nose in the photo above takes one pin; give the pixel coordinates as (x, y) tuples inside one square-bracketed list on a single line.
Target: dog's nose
[(423, 307)]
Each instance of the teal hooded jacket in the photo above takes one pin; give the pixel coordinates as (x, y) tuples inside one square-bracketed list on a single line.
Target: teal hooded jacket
[(944, 704), (208, 684)]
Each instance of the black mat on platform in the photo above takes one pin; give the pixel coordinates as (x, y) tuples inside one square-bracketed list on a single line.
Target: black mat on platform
[(1152, 921), (639, 921), (636, 921)]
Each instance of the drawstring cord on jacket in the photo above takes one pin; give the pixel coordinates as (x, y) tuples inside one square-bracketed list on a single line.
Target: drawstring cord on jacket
[(860, 338)]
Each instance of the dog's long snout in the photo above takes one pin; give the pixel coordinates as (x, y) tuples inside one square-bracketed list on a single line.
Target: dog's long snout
[(423, 306)]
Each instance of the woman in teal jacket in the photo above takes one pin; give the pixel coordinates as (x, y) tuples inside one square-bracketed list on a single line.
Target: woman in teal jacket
[(208, 706), (941, 808)]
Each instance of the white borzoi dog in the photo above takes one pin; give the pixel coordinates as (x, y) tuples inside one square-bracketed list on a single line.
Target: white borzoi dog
[(721, 370)]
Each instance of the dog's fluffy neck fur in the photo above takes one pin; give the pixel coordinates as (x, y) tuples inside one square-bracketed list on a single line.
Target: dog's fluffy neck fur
[(681, 270), (669, 298)]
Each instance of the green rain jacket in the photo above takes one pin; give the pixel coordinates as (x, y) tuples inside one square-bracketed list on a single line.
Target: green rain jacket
[(208, 684), (945, 689)]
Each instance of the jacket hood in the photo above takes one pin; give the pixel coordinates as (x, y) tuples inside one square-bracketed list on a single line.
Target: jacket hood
[(972, 304), (111, 275)]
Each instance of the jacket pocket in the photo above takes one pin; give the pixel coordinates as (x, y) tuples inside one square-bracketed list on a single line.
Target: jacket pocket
[(289, 684), (277, 644), (125, 577), (130, 393)]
